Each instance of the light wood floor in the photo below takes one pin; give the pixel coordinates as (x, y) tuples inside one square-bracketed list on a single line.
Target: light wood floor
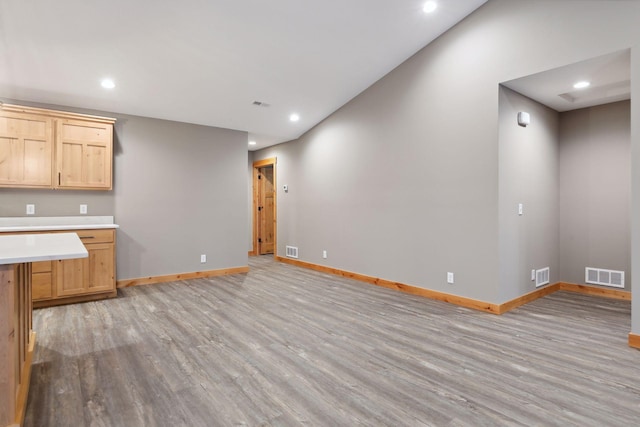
[(283, 346)]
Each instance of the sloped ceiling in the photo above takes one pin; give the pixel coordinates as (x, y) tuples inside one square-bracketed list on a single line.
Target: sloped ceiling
[(207, 61)]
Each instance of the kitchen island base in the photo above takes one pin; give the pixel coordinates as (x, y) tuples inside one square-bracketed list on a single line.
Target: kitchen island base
[(16, 352)]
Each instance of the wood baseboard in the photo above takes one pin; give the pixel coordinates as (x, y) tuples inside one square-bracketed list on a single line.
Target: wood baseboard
[(463, 301), (252, 253), (73, 300), (414, 290), (594, 290), (634, 340), (527, 298), (182, 276)]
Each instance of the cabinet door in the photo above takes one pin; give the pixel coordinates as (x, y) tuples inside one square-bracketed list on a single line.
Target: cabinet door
[(71, 277), (87, 275), (84, 154), (26, 151), (42, 280), (101, 267)]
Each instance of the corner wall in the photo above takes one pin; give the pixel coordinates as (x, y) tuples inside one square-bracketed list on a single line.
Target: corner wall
[(528, 158), (595, 190), (635, 190)]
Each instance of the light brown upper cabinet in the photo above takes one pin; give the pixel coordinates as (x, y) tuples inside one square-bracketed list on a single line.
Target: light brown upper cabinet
[(26, 150), (83, 154), (54, 149)]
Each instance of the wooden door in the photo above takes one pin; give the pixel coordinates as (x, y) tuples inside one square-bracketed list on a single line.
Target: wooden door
[(266, 211), (84, 152), (26, 150)]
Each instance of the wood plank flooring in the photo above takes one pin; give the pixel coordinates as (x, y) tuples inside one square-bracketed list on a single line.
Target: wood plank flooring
[(284, 346)]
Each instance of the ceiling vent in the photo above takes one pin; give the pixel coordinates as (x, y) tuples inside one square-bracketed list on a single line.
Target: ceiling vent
[(261, 104)]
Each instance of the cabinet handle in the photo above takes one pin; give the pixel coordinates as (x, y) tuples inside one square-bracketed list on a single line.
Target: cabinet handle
[(88, 237), (58, 178)]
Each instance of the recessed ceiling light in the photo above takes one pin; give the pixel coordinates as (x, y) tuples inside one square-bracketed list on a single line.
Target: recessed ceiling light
[(107, 84), (294, 117), (252, 143), (430, 6), (581, 85)]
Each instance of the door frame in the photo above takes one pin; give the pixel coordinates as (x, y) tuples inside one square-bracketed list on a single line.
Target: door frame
[(272, 161)]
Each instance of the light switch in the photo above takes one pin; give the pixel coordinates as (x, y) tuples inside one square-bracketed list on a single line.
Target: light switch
[(520, 209)]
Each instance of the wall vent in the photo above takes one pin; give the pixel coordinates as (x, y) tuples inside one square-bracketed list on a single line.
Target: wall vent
[(542, 277), (292, 252), (261, 104), (600, 276)]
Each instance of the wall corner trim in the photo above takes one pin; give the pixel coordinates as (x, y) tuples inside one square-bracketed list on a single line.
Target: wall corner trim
[(181, 276), (527, 298)]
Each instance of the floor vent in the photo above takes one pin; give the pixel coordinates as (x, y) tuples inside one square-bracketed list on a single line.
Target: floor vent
[(600, 276), (542, 277), (292, 252)]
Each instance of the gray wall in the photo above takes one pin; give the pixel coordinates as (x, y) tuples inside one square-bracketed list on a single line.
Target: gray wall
[(179, 191), (528, 158), (403, 181), (595, 188)]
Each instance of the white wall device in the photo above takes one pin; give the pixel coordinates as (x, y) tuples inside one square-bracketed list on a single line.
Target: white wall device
[(524, 119)]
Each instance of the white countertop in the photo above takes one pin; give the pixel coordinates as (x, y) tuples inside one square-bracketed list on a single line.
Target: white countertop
[(55, 223), (18, 248)]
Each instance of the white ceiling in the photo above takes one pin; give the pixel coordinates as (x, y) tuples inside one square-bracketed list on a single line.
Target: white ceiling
[(206, 61), (609, 75)]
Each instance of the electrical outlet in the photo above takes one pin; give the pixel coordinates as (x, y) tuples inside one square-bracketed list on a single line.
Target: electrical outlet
[(83, 209), (324, 254), (450, 277), (203, 258), (31, 209)]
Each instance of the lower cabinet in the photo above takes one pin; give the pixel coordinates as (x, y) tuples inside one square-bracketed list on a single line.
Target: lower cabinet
[(76, 280)]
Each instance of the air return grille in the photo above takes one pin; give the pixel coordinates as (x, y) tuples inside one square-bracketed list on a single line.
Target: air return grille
[(292, 252), (542, 276), (600, 276)]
